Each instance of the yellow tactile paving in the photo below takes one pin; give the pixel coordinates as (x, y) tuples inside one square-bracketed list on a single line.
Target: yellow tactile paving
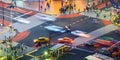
[(19, 57), (31, 55)]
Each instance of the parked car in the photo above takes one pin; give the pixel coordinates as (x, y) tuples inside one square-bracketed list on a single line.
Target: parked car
[(66, 40), (80, 33)]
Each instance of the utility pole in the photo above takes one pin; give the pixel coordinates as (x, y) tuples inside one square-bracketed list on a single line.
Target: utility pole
[(3, 13), (39, 6), (49, 39), (11, 7)]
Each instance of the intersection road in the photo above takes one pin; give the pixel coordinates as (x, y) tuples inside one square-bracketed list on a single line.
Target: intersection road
[(95, 34)]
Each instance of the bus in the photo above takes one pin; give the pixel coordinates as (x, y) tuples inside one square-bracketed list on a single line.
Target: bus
[(58, 49)]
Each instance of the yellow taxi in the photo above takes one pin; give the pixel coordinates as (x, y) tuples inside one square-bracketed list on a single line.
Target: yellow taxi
[(41, 40)]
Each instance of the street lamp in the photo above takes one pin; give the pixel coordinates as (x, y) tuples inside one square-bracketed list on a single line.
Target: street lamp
[(11, 7), (45, 53), (11, 16), (49, 35)]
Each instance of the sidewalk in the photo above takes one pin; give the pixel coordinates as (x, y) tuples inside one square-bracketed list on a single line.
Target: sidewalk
[(7, 33), (106, 12), (17, 9), (54, 6), (102, 15)]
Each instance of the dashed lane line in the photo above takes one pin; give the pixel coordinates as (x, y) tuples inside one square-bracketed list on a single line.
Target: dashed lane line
[(6, 11), (5, 15), (84, 50)]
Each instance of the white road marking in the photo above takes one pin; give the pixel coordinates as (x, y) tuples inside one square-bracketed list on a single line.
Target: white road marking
[(23, 14), (6, 11), (72, 53), (84, 50), (5, 15)]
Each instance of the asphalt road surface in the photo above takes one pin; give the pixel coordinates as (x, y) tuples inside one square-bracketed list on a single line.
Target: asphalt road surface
[(78, 23), (83, 23), (74, 55)]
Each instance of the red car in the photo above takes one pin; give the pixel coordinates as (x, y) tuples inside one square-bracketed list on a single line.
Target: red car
[(65, 40)]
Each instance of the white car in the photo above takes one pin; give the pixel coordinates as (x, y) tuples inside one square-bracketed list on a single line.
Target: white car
[(55, 28), (80, 33)]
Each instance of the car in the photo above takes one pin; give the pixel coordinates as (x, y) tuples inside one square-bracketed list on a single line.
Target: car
[(80, 33), (98, 56), (104, 42), (117, 22), (41, 40), (55, 28), (66, 40)]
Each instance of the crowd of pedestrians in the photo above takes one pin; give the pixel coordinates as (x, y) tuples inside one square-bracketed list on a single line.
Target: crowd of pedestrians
[(67, 7), (45, 6)]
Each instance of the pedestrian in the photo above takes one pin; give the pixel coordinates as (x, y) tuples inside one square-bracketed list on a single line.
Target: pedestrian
[(68, 28), (74, 6), (71, 8), (14, 3), (106, 4), (110, 14), (22, 47), (48, 5), (62, 2), (1, 25), (104, 16), (97, 15), (101, 11), (45, 9), (60, 10), (78, 10), (95, 20), (64, 9), (41, 8), (87, 9)]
